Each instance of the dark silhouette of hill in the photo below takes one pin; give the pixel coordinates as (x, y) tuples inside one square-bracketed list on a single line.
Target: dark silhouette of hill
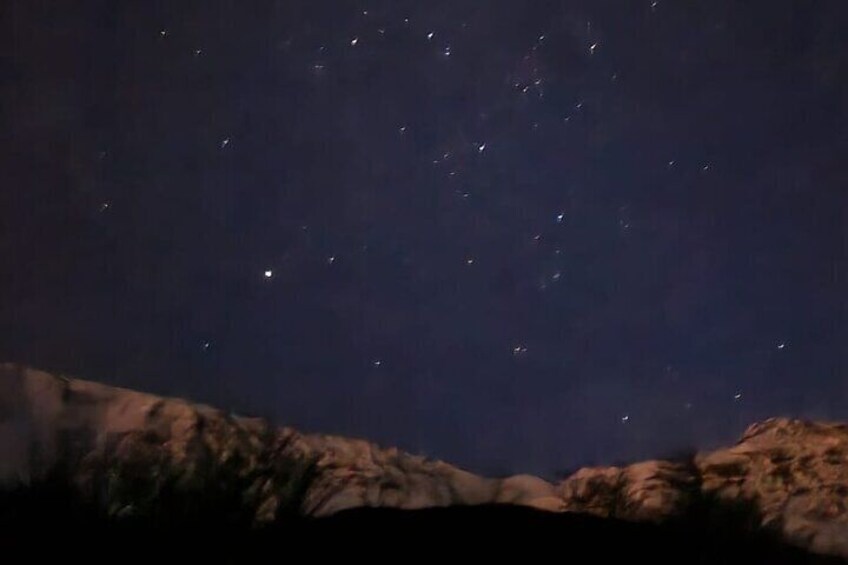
[(48, 521)]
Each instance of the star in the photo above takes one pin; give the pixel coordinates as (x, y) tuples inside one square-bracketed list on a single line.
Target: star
[(327, 162)]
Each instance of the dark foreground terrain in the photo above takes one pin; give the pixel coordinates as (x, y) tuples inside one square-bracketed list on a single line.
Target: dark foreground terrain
[(48, 523)]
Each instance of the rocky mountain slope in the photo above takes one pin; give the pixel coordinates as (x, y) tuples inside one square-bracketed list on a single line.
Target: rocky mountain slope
[(138, 456)]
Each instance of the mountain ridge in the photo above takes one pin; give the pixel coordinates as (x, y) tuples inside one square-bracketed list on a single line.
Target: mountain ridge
[(134, 455)]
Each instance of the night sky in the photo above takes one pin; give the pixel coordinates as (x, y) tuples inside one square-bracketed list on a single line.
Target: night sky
[(519, 236)]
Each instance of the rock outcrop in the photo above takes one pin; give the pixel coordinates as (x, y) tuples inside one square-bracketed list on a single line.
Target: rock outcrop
[(787, 476), (132, 452), (795, 472), (137, 455)]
